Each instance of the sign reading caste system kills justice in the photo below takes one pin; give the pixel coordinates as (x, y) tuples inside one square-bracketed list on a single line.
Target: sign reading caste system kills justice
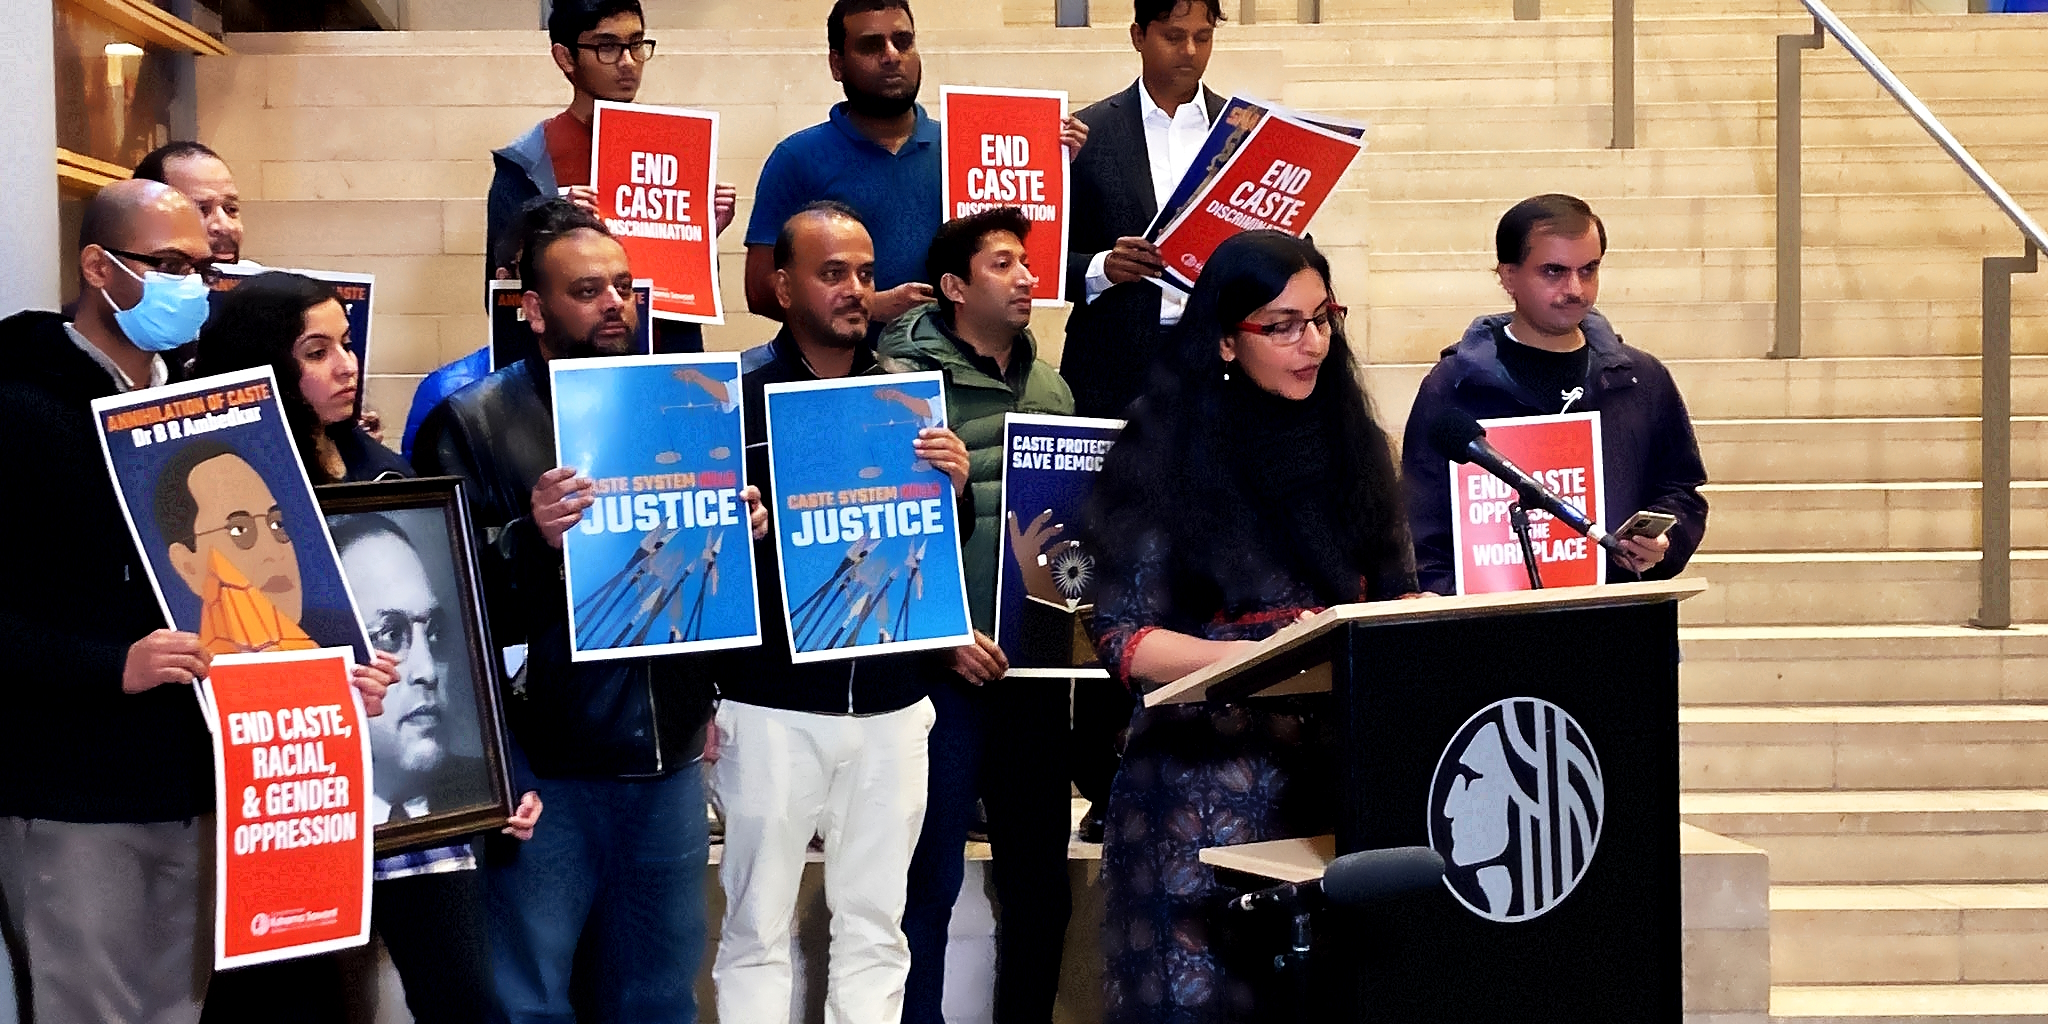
[(290, 770), (1001, 148), (652, 169)]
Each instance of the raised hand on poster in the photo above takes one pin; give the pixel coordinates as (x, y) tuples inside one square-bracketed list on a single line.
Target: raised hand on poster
[(1034, 561)]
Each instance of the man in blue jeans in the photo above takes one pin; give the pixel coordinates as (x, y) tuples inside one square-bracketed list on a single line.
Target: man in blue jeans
[(611, 746)]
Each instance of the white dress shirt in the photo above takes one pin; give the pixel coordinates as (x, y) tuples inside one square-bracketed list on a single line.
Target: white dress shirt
[(1171, 142)]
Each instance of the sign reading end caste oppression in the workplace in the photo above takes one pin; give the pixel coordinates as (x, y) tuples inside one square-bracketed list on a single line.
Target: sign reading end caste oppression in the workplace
[(1001, 148), (864, 529), (1563, 452), (1277, 180), (290, 767), (663, 562), (652, 169)]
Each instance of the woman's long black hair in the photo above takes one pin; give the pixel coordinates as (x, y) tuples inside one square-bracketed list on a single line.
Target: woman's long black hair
[(1178, 470), (255, 325)]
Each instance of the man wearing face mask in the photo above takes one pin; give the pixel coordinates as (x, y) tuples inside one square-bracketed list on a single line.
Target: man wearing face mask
[(106, 780), (611, 746)]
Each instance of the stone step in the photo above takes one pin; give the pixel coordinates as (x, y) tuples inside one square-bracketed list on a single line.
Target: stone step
[(1855, 588), (1885, 836), (1933, 515), (1821, 80), (1859, 450), (1858, 746), (1682, 125), (1861, 665), (1899, 391), (1911, 166), (1909, 1004), (1920, 934)]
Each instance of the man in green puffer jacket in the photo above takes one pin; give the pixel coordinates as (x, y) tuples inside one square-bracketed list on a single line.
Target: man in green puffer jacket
[(978, 333)]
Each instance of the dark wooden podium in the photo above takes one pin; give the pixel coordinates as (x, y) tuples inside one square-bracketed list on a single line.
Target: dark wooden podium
[(1532, 740)]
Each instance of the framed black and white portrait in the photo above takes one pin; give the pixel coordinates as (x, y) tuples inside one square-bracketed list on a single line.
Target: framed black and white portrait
[(438, 751)]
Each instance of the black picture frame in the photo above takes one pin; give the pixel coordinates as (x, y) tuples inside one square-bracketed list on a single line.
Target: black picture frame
[(462, 598)]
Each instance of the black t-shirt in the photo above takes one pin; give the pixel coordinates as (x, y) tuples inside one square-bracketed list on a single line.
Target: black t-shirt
[(1551, 376)]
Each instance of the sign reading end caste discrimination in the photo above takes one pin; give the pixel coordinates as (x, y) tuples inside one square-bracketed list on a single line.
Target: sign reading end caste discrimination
[(290, 767), (652, 170), (1564, 453), (1001, 148), (1276, 181)]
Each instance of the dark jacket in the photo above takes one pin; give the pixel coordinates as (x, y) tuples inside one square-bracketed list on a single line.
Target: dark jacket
[(764, 675), (73, 745), (1646, 438), (1111, 342), (976, 405), (366, 459), (607, 719)]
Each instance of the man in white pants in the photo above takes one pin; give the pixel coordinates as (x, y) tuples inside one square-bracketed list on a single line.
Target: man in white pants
[(836, 749)]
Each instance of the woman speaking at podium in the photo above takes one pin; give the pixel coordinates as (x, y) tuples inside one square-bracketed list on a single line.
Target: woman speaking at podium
[(1251, 486)]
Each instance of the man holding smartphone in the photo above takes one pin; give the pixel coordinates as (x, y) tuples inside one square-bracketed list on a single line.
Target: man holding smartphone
[(1554, 354)]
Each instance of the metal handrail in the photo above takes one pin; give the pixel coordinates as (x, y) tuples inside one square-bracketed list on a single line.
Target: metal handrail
[(1994, 570), (1825, 18)]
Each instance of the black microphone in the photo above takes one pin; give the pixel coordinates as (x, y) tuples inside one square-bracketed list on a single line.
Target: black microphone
[(1355, 879), (1458, 437)]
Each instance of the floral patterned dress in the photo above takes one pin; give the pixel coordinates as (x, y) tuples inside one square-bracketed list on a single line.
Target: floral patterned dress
[(1197, 775)]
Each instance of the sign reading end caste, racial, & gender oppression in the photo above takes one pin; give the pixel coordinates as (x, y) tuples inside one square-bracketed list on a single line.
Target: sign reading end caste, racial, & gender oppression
[(291, 762), (1002, 148), (663, 562), (652, 169), (1563, 452), (1045, 577), (220, 509), (864, 528)]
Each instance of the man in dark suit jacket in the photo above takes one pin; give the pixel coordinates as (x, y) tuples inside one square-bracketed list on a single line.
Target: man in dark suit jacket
[(1141, 141)]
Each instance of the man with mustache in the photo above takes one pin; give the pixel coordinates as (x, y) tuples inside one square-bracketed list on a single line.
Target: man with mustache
[(611, 746), (1554, 354), (878, 154), (834, 748), (204, 178), (979, 334), (416, 774)]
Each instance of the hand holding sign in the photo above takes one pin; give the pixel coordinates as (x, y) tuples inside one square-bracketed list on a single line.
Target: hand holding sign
[(166, 656)]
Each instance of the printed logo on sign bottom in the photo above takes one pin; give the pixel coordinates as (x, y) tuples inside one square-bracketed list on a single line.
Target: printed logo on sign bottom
[(1515, 809), (259, 925)]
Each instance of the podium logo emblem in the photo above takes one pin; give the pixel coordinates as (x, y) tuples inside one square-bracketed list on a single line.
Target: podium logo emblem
[(1515, 809)]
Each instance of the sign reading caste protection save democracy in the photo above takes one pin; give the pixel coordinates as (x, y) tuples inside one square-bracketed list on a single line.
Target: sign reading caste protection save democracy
[(1277, 180), (221, 512), (652, 169), (663, 562), (1001, 148), (1046, 577), (1563, 452), (290, 767), (864, 529)]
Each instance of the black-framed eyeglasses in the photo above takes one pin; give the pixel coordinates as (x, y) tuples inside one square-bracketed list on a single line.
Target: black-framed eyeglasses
[(609, 53), (176, 266), (241, 528)]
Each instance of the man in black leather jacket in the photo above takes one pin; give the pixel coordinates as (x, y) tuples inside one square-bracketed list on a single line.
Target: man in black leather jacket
[(613, 747)]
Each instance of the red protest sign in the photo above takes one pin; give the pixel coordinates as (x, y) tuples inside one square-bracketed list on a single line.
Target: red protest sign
[(290, 767), (652, 169), (1277, 180), (1001, 147), (1564, 453)]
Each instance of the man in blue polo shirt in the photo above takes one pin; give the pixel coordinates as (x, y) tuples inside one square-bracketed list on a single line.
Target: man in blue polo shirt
[(878, 153)]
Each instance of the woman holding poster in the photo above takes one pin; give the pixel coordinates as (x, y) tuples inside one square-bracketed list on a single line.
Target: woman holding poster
[(427, 905), (1251, 487)]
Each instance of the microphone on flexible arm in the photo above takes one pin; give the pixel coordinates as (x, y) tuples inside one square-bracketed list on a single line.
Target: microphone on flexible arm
[(1355, 879), (1458, 437)]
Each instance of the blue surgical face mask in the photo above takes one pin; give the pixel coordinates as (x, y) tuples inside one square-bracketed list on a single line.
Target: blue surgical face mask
[(170, 314)]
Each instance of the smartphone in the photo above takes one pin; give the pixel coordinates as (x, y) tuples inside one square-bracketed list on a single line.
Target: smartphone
[(1647, 525)]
